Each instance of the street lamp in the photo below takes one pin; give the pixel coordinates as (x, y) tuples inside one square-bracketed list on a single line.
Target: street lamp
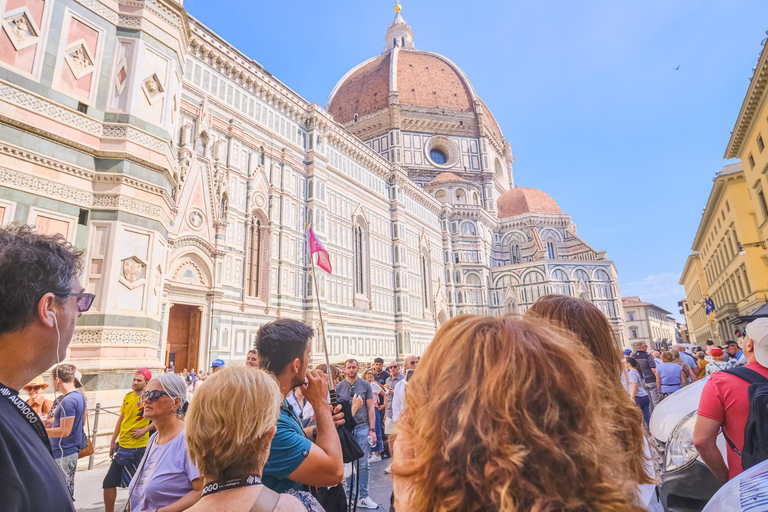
[(742, 252)]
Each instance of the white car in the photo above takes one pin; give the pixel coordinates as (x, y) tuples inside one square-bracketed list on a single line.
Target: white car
[(686, 484), (746, 492)]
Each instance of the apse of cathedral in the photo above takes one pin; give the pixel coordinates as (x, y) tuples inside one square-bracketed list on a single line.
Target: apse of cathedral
[(187, 172)]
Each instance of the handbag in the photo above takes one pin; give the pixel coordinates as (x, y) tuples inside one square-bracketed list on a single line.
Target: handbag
[(88, 449)]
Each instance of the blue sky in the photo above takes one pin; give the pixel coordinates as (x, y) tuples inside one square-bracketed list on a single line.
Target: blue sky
[(586, 93)]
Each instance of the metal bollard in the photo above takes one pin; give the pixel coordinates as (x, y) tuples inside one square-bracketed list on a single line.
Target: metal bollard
[(93, 434)]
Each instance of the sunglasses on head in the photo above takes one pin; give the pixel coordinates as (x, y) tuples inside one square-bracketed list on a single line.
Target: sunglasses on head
[(35, 388), (84, 300), (153, 396)]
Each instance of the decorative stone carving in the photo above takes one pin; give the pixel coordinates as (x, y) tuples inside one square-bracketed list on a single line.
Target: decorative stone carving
[(153, 88), (85, 336), (121, 77), (132, 272), (79, 59), (21, 28), (196, 219)]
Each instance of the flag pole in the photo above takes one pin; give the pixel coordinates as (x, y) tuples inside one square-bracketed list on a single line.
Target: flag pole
[(331, 387)]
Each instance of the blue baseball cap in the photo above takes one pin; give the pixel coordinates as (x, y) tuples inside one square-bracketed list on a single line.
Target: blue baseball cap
[(627, 352), (217, 363)]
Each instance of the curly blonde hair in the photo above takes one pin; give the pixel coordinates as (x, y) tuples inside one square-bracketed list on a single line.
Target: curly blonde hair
[(505, 419), (592, 329)]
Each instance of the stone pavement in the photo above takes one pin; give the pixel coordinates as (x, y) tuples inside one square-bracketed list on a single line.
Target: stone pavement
[(88, 493)]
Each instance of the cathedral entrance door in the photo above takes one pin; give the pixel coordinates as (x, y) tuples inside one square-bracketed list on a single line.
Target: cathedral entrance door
[(183, 337)]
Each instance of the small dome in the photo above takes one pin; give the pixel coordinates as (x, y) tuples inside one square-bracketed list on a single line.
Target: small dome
[(446, 176), (521, 200)]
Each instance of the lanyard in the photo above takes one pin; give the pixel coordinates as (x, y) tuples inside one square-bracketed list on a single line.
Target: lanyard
[(27, 413), (230, 483)]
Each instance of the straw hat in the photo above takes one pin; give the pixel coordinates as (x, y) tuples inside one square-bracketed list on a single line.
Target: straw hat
[(38, 381)]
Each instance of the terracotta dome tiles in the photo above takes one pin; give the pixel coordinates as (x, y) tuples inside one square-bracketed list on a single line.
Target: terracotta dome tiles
[(446, 176), (521, 200), (363, 92), (425, 80)]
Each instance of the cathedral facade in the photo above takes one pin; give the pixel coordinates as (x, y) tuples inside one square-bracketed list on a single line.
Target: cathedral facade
[(188, 173)]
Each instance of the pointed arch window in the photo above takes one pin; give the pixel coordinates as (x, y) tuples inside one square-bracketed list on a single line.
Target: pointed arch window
[(257, 242), (551, 250), (514, 253), (425, 280), (359, 274)]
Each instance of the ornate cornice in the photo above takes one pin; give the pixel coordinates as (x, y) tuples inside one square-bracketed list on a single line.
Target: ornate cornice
[(36, 185), (754, 98), (194, 241)]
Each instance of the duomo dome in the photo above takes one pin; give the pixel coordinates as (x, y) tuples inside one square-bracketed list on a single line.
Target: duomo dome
[(407, 91)]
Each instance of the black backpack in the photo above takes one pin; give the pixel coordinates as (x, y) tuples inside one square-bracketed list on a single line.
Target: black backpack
[(755, 449)]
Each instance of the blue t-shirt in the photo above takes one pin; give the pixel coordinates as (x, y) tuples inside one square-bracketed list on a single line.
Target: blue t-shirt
[(688, 358), (71, 406), (670, 377), (289, 449)]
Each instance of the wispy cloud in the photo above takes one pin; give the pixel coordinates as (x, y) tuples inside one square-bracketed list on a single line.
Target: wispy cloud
[(655, 287), (661, 289)]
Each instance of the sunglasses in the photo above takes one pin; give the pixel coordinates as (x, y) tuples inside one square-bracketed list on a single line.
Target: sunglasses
[(153, 396), (84, 300), (31, 388)]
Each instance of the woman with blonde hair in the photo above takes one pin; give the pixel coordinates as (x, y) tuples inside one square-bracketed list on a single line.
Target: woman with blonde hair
[(501, 416), (593, 331), (230, 426)]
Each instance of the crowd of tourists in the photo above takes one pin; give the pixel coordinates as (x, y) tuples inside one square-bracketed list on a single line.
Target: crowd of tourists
[(539, 412)]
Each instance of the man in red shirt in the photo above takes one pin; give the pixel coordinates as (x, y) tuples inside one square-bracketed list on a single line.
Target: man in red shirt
[(725, 404)]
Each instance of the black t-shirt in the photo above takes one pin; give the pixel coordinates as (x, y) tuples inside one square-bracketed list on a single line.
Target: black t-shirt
[(29, 479), (381, 377), (646, 362)]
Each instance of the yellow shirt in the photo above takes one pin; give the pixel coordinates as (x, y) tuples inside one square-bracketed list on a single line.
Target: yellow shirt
[(133, 417)]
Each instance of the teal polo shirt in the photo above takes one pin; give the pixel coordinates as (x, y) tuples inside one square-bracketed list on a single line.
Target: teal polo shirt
[(289, 449)]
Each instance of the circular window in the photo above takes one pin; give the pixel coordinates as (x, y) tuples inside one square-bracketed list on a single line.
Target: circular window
[(441, 152), (438, 156)]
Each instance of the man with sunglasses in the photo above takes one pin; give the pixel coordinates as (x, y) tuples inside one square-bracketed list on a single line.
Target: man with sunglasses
[(129, 440), (40, 300)]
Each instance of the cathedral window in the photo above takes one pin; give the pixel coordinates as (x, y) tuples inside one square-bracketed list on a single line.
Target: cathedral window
[(551, 250), (426, 281), (362, 259), (254, 264), (438, 156), (514, 253), (402, 42)]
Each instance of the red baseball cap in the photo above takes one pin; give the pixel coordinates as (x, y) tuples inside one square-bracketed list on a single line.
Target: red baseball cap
[(145, 373)]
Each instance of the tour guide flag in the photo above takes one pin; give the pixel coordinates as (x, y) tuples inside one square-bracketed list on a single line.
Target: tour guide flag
[(323, 260)]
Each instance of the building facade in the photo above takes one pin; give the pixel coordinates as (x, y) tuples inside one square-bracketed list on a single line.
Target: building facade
[(722, 267), (747, 143), (701, 326), (188, 173), (648, 323)]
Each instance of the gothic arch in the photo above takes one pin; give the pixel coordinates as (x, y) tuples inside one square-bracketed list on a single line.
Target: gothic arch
[(191, 266)]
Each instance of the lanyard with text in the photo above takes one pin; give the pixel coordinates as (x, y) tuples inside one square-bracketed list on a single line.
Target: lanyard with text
[(230, 483), (27, 413)]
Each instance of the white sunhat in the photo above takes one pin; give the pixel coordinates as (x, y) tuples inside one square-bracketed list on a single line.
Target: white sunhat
[(757, 331)]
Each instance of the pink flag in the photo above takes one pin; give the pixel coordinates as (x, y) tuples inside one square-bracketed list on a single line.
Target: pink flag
[(323, 260)]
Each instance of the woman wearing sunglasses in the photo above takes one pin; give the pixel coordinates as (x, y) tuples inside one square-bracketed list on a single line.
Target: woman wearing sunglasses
[(41, 405), (166, 479)]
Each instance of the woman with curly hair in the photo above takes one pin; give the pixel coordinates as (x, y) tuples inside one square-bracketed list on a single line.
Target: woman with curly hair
[(592, 329), (501, 417)]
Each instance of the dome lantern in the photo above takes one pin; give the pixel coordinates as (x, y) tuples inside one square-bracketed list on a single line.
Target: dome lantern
[(399, 33)]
